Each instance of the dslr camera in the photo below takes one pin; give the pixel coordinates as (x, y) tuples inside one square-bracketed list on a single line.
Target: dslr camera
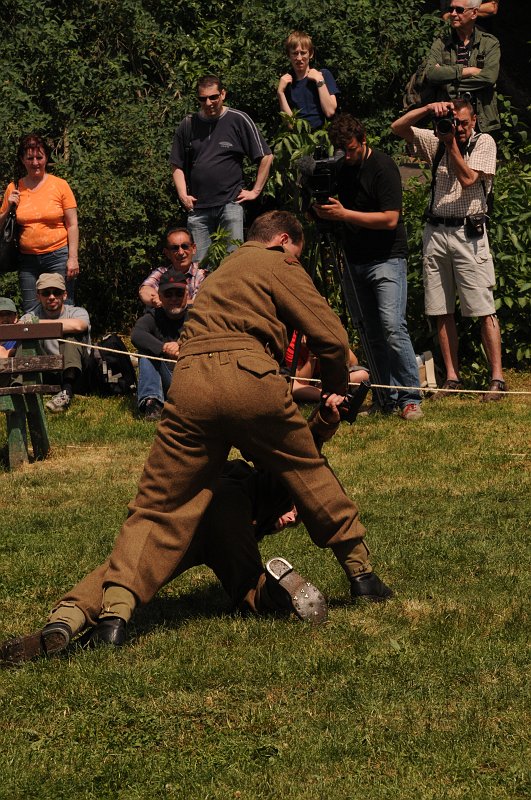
[(446, 124)]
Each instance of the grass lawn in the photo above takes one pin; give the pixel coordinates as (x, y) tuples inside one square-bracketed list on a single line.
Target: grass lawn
[(423, 697)]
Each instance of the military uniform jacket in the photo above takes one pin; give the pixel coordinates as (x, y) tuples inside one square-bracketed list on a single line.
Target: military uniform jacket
[(252, 298)]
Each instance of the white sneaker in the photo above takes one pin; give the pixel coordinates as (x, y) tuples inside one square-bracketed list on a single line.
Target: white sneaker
[(59, 402), (411, 412)]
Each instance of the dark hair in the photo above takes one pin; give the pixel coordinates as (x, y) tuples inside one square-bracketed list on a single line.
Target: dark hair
[(344, 129), (461, 102), (268, 225), (209, 80), (31, 141), (179, 230)]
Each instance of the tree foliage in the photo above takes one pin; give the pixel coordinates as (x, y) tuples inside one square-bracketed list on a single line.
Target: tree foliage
[(107, 81)]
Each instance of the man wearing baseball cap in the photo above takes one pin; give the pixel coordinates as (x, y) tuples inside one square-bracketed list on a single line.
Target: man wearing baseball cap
[(51, 293), (8, 316), (156, 334)]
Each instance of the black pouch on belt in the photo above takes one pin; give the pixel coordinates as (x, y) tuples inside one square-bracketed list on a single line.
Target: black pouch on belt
[(475, 226)]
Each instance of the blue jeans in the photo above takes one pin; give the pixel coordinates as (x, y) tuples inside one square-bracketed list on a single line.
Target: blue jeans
[(382, 293), (204, 221), (154, 378), (30, 267)]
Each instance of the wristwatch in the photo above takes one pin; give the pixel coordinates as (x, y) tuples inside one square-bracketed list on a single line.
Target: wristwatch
[(319, 83)]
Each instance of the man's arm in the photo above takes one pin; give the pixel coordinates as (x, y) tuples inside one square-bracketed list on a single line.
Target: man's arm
[(187, 200), (149, 296), (468, 78), (144, 338), (464, 174), (375, 220), (487, 9), (264, 165), (328, 101), (403, 126), (301, 307), (285, 81), (73, 325)]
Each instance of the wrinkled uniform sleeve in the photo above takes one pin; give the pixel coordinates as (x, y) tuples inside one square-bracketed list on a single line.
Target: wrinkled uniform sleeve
[(301, 306)]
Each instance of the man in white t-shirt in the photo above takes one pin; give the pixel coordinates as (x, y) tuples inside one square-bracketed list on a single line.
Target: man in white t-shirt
[(51, 293)]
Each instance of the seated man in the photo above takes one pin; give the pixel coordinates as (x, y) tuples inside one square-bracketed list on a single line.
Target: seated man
[(156, 334), (8, 316), (180, 250), (248, 504), (51, 293)]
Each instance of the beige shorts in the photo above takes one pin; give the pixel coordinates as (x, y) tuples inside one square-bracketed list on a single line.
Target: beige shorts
[(454, 262)]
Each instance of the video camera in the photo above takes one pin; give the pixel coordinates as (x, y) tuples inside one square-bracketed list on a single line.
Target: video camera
[(319, 174)]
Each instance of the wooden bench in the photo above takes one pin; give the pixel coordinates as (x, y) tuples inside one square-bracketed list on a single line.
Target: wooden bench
[(22, 402)]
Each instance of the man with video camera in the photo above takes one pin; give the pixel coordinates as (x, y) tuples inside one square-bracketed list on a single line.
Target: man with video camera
[(456, 247), (370, 209)]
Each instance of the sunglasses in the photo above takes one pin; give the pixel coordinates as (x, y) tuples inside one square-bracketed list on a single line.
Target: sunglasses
[(211, 97), (458, 9), (174, 293), (175, 247), (49, 292)]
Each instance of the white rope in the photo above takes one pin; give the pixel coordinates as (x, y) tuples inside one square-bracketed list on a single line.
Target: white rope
[(307, 380)]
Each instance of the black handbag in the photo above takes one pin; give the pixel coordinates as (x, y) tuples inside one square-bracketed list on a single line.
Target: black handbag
[(9, 242)]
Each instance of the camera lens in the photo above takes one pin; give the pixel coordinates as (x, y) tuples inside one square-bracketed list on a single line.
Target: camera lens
[(445, 126)]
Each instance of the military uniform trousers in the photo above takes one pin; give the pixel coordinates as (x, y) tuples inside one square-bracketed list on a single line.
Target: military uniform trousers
[(225, 541), (216, 400)]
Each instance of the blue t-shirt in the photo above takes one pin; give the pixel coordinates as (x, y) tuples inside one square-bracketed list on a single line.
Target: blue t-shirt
[(304, 95)]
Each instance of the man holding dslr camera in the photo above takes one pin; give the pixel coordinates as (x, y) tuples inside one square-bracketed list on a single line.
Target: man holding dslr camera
[(456, 247)]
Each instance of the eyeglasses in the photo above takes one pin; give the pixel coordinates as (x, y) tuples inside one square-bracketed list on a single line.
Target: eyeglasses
[(48, 292), (211, 97), (174, 248), (458, 9), (174, 293)]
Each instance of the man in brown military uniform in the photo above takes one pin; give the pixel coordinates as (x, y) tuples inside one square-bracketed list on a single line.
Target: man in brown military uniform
[(227, 391)]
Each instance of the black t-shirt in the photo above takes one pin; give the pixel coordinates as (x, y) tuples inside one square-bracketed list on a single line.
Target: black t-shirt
[(219, 147), (374, 186)]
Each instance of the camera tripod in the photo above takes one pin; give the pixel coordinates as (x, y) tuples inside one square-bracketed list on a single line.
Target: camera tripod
[(328, 253)]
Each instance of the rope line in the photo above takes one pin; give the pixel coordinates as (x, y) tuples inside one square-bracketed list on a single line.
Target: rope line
[(309, 380)]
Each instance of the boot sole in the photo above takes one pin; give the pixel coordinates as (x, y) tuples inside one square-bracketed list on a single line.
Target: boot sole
[(306, 600), (35, 645)]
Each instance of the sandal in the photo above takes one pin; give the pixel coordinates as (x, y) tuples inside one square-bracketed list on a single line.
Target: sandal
[(495, 391), (448, 384)]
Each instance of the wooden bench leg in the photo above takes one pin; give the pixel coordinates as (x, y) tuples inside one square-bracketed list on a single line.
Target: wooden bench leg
[(17, 438), (37, 426)]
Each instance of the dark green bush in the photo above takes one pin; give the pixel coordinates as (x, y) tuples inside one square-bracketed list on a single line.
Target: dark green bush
[(107, 81)]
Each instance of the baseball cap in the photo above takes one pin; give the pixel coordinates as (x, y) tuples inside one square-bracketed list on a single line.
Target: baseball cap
[(50, 280), (172, 278), (7, 305)]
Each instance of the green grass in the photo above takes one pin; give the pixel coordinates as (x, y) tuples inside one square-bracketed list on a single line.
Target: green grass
[(422, 698)]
